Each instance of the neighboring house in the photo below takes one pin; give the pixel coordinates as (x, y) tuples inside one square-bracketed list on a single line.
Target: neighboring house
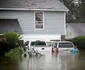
[(35, 19), (74, 30)]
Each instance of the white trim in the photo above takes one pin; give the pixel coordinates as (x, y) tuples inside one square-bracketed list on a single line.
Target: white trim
[(8, 18), (65, 23), (1, 34), (40, 37), (34, 22), (34, 9), (43, 22)]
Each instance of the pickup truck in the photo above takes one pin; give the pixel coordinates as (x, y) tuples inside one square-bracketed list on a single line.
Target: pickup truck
[(40, 46)]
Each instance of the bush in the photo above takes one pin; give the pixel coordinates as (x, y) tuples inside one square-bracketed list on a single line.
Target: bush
[(79, 42), (12, 39), (16, 52)]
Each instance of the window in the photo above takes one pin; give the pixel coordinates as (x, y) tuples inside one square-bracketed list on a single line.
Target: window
[(38, 20), (65, 45), (55, 45), (38, 43)]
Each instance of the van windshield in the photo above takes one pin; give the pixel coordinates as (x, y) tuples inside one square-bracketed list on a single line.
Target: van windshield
[(65, 45), (36, 43)]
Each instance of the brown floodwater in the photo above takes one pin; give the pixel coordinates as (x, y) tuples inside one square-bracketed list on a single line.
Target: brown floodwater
[(49, 61)]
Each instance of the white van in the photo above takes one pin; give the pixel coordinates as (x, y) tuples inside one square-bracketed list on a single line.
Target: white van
[(63, 46)]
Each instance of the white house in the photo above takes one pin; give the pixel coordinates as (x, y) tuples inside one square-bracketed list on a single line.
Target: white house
[(35, 19), (74, 30)]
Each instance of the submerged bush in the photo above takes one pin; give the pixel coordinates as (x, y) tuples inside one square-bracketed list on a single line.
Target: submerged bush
[(16, 52), (79, 42)]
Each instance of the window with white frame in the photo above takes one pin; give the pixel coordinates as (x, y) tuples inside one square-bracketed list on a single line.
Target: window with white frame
[(38, 20)]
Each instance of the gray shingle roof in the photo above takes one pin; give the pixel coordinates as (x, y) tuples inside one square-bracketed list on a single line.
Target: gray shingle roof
[(79, 28), (10, 25), (54, 5)]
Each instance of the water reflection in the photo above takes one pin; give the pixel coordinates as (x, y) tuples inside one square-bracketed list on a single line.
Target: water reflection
[(53, 61), (77, 62), (8, 63)]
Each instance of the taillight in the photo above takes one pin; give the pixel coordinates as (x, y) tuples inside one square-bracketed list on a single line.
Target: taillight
[(52, 49), (56, 49)]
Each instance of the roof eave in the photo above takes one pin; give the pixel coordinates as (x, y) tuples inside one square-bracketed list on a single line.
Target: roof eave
[(30, 9)]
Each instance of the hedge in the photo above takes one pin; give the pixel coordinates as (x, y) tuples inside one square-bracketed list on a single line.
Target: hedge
[(79, 42)]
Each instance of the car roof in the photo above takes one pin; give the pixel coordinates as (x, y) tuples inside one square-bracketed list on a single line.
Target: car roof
[(65, 42)]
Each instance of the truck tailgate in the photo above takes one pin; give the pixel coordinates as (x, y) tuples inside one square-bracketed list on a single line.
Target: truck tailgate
[(42, 49)]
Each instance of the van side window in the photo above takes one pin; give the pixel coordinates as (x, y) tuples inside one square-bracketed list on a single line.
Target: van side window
[(65, 45)]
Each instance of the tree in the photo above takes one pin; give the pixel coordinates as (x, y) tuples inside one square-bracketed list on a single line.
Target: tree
[(70, 5), (82, 10), (76, 10)]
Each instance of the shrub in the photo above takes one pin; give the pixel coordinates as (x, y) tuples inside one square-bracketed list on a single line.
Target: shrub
[(16, 52), (12, 39), (79, 42)]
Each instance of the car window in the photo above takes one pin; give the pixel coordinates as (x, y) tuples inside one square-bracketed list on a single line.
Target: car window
[(55, 45), (49, 43), (26, 43), (65, 45), (36, 43)]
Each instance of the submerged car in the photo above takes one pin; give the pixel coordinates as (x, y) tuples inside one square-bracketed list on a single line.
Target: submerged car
[(63, 46), (40, 46)]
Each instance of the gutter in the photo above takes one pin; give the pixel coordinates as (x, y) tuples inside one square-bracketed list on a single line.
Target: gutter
[(30, 9)]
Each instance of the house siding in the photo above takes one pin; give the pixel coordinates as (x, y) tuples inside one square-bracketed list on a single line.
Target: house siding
[(53, 22)]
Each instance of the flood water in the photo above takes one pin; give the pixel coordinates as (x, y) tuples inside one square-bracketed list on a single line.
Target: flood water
[(49, 61)]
